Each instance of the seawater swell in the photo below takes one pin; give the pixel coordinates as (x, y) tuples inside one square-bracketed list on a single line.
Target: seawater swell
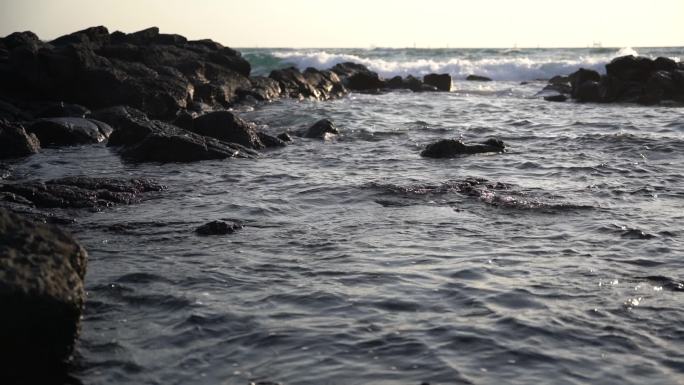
[(361, 262), (501, 64)]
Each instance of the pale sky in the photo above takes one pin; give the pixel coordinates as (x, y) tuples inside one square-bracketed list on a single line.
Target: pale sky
[(366, 23)]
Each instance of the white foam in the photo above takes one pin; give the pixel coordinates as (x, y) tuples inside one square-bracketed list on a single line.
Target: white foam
[(498, 68)]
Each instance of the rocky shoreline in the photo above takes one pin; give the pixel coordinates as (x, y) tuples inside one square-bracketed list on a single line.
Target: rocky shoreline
[(157, 97)]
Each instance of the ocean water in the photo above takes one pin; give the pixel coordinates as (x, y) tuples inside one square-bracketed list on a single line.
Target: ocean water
[(362, 263)]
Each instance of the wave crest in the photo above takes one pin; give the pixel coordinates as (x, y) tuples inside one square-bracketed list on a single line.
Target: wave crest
[(497, 67)]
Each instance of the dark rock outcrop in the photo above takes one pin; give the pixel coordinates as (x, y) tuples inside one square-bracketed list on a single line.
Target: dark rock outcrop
[(270, 141), (441, 81), (358, 77), (629, 79), (293, 84), (218, 228), (156, 141), (556, 98), (79, 192), (450, 148), (157, 73), (321, 130), (228, 127), (69, 131), (62, 110), (42, 294), (285, 137), (16, 142), (478, 78)]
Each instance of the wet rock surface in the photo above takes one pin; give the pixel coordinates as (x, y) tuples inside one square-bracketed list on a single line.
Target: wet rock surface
[(15, 141), (218, 228), (628, 79), (321, 130), (42, 294), (478, 78), (450, 148), (69, 131), (156, 141), (79, 192), (228, 127)]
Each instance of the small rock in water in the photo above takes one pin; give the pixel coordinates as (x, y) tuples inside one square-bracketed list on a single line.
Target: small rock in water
[(450, 148), (321, 129), (285, 137), (478, 78), (556, 98), (218, 228)]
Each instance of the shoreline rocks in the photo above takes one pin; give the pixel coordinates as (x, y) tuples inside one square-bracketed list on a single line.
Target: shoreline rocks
[(42, 269), (451, 148), (15, 142), (628, 79)]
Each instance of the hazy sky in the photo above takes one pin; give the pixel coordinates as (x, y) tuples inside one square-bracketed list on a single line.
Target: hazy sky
[(365, 23)]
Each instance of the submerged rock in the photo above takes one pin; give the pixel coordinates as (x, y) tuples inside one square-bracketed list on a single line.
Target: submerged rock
[(69, 131), (42, 294), (478, 78), (450, 148), (218, 228), (321, 129), (80, 192), (16, 142)]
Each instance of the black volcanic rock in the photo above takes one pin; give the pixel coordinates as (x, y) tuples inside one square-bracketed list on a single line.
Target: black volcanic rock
[(157, 73), (556, 98), (478, 78), (588, 91), (358, 77), (293, 84), (69, 131), (42, 294), (218, 228), (15, 141), (321, 129), (156, 141), (270, 141), (81, 192), (634, 68), (228, 127), (450, 148), (441, 81), (63, 110), (326, 82)]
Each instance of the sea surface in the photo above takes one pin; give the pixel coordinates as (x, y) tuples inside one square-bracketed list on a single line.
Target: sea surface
[(362, 263)]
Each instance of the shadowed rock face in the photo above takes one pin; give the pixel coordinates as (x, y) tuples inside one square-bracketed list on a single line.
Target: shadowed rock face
[(69, 131), (155, 141), (228, 127), (42, 295), (441, 81), (450, 148), (15, 141), (157, 73), (628, 79)]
